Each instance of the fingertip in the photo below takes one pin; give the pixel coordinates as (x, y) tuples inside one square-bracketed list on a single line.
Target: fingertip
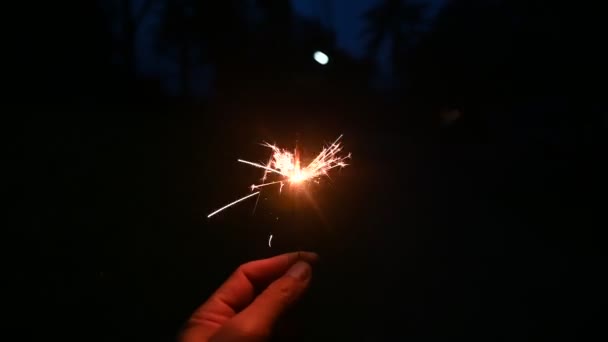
[(301, 271), (310, 257)]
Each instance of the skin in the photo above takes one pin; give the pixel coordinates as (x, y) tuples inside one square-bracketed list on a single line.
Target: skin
[(239, 311)]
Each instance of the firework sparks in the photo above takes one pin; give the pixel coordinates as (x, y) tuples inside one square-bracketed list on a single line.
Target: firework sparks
[(287, 165)]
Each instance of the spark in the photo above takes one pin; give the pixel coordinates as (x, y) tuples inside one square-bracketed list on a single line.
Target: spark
[(233, 203), (270, 241), (261, 166), (287, 164), (257, 186)]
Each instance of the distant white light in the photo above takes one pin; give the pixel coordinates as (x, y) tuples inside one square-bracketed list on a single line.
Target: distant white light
[(321, 58)]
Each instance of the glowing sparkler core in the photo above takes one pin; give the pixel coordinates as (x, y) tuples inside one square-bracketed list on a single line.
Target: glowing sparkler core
[(287, 164)]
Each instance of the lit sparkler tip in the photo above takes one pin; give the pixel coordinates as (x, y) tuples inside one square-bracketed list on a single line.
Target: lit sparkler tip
[(288, 165)]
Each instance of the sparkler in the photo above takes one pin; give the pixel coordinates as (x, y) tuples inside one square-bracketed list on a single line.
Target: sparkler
[(287, 165)]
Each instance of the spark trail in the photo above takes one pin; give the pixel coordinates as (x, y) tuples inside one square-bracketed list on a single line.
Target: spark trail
[(233, 203)]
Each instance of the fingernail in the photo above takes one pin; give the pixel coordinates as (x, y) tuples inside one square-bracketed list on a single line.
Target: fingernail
[(300, 270)]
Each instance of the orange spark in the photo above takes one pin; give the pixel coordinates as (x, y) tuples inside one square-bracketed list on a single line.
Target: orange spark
[(288, 165)]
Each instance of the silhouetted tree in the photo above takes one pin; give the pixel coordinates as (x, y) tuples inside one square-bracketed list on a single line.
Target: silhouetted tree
[(396, 22), (464, 58), (277, 22), (200, 32), (179, 33), (126, 19)]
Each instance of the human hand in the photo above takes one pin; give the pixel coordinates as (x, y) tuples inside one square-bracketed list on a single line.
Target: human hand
[(236, 312)]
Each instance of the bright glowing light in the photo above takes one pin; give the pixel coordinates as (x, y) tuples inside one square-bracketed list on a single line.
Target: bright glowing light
[(297, 178), (287, 165), (320, 57)]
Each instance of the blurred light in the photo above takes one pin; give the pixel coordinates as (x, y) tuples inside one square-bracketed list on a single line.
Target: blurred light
[(321, 58)]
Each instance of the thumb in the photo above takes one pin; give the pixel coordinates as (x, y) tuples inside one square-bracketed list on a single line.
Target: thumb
[(259, 317)]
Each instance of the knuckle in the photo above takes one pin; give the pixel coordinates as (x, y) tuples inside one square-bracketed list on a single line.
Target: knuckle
[(251, 329), (254, 330), (243, 267)]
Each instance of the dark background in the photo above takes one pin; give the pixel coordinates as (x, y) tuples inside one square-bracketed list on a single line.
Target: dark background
[(473, 206)]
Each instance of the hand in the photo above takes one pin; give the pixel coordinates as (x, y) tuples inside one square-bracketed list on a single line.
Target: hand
[(235, 313)]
